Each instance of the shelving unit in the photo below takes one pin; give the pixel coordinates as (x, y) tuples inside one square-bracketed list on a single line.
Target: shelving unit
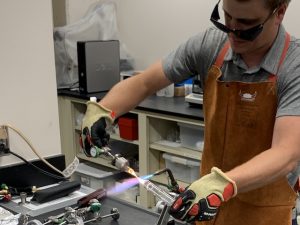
[(158, 134)]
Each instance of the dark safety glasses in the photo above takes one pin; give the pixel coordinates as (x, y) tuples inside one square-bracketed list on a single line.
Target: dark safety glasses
[(248, 34)]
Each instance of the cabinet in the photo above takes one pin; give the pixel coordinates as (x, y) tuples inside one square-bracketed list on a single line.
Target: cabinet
[(157, 131)]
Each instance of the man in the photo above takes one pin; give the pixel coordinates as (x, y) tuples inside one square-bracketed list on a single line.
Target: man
[(250, 72)]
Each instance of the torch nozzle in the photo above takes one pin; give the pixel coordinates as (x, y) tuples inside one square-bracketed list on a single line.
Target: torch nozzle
[(120, 162), (117, 160)]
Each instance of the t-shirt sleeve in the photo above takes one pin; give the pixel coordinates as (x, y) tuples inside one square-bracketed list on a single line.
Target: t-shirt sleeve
[(194, 56), (289, 88)]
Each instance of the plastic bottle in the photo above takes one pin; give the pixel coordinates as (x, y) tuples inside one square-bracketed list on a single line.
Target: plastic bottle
[(93, 99)]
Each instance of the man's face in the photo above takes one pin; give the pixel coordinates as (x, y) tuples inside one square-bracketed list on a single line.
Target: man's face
[(242, 15)]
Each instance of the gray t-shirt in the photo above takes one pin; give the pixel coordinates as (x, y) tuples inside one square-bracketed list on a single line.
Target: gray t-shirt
[(197, 55)]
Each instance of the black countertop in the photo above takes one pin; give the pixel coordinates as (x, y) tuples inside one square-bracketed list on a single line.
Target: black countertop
[(175, 106)]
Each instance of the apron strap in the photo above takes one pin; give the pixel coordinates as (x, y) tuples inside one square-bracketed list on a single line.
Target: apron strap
[(273, 77), (285, 49), (297, 185), (220, 58)]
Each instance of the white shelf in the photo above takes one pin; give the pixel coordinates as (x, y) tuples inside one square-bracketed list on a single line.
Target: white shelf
[(118, 138), (180, 151)]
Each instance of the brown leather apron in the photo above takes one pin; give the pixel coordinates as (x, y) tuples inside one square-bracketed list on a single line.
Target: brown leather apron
[(239, 121)]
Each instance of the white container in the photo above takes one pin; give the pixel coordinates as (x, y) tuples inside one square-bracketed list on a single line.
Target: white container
[(188, 89), (191, 136), (93, 177), (166, 92), (161, 92), (183, 169), (169, 91)]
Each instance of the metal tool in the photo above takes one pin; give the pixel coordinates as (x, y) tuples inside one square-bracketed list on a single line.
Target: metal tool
[(84, 215), (34, 222), (164, 218), (114, 213), (117, 160), (23, 197), (120, 162), (83, 202)]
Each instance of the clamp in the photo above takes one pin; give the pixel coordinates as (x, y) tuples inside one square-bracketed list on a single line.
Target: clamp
[(164, 218)]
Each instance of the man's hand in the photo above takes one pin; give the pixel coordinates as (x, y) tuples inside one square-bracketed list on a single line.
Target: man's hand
[(94, 122), (201, 200)]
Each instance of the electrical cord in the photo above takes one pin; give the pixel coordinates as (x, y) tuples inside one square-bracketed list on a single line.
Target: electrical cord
[(38, 168), (70, 167)]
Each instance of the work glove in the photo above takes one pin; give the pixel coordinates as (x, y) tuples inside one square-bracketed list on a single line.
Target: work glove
[(93, 128), (201, 200)]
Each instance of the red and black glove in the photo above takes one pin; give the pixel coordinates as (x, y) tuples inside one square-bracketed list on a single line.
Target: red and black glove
[(201, 200)]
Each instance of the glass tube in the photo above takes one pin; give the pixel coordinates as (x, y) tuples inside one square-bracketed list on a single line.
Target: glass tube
[(158, 192)]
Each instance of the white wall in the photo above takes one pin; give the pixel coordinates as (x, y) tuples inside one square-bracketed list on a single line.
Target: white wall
[(27, 78), (152, 28)]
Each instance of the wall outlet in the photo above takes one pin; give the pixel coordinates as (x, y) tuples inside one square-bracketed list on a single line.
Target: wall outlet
[(4, 140)]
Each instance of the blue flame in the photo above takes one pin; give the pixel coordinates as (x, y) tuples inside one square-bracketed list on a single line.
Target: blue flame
[(147, 177)]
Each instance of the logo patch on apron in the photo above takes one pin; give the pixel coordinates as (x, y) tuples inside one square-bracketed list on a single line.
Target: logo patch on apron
[(247, 97)]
